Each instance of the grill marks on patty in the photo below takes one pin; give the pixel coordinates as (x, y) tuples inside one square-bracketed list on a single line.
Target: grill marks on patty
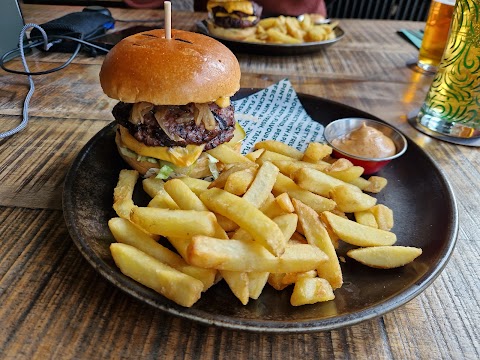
[(178, 120)]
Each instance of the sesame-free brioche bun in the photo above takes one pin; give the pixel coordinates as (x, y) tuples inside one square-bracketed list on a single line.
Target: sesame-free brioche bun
[(188, 68)]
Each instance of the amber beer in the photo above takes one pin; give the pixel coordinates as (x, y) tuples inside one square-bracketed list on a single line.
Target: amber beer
[(435, 34)]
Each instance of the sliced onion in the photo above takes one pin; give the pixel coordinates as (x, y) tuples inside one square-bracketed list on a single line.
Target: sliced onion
[(204, 114), (139, 110), (160, 112)]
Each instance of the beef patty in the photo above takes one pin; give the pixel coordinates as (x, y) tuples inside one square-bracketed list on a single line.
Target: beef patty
[(150, 133), (239, 20)]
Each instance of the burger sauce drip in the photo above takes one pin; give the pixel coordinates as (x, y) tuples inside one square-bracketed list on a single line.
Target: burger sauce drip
[(366, 141)]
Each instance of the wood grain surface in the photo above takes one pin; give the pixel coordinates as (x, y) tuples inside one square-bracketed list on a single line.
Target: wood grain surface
[(54, 305)]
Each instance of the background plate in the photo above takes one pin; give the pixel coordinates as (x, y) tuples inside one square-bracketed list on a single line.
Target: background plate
[(425, 216), (272, 49)]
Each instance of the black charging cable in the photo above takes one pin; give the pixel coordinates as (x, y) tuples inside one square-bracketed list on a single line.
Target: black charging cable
[(47, 44), (47, 41)]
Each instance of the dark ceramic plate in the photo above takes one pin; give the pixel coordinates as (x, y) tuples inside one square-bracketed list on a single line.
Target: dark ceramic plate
[(420, 196), (272, 49)]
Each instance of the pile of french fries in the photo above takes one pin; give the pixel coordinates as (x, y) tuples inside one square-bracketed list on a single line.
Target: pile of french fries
[(290, 30), (274, 216)]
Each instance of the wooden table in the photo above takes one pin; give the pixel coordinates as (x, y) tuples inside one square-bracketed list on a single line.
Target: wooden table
[(55, 305)]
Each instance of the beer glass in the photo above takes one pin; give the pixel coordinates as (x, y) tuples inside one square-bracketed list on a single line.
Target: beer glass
[(435, 34), (452, 105)]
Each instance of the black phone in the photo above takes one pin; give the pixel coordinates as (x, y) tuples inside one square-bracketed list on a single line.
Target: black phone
[(109, 40)]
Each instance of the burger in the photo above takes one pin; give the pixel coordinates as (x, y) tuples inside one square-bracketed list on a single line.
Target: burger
[(233, 19), (174, 101)]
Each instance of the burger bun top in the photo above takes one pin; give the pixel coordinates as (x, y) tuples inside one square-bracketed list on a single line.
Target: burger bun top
[(189, 67)]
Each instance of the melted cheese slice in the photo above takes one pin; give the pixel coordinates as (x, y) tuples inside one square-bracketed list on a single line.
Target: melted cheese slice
[(177, 155), (231, 6), (223, 101), (235, 16)]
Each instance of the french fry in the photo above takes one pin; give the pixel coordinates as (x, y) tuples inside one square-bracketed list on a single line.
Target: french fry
[(272, 208), (226, 223), (339, 165), (317, 235), (300, 258), (227, 155), (276, 36), (221, 180), (285, 203), (262, 185), (183, 196), (280, 281), (242, 234), (279, 147), (361, 183), (316, 202), (317, 33), (348, 175), (187, 200), (275, 281), (123, 192), (173, 284), (237, 282), (287, 224), (263, 229), (316, 181), (366, 218), (358, 234), (316, 152), (196, 185), (178, 223), (376, 184), (239, 182), (254, 155), (127, 233), (310, 291), (152, 185), (383, 216), (385, 257), (239, 255), (163, 200), (293, 28), (180, 244), (271, 156), (256, 283), (269, 22), (350, 199), (289, 167), (292, 278), (307, 22)]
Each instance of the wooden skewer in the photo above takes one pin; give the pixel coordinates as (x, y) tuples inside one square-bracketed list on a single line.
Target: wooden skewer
[(168, 19)]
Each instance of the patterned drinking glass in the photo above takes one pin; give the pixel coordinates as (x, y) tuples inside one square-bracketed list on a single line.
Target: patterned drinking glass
[(452, 105)]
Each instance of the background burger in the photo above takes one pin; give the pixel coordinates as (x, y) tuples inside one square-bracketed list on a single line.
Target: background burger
[(174, 101), (233, 19)]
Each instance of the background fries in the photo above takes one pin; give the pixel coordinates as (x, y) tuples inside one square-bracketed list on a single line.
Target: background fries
[(290, 30), (276, 216)]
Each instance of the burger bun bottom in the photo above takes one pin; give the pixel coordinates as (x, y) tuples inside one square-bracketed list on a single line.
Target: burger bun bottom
[(230, 33), (200, 169)]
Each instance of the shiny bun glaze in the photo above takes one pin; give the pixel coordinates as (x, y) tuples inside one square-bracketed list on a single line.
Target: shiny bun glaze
[(189, 67)]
